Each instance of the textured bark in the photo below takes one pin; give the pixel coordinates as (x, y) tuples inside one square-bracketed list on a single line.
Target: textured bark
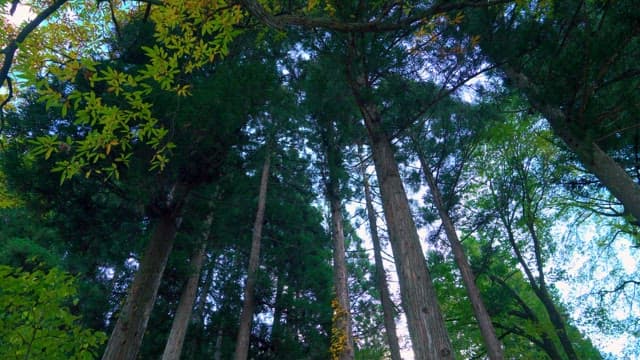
[(248, 306), (342, 319), (492, 343), (180, 324), (424, 318), (341, 335), (381, 277), (127, 335), (596, 161)]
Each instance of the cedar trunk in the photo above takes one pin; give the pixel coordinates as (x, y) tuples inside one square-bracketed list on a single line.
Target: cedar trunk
[(424, 318), (493, 345), (126, 337), (244, 332), (381, 277), (173, 349), (341, 327), (341, 336)]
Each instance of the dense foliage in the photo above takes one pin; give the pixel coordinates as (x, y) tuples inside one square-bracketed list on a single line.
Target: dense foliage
[(459, 179)]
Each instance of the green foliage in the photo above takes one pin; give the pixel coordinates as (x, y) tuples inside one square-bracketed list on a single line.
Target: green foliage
[(36, 321)]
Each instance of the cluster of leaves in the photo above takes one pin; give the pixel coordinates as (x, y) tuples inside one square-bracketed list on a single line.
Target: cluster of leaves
[(37, 322), (115, 107)]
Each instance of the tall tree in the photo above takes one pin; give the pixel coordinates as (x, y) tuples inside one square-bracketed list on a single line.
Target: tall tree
[(388, 307), (126, 337), (494, 347), (183, 314), (574, 61), (426, 323), (248, 306), (519, 201)]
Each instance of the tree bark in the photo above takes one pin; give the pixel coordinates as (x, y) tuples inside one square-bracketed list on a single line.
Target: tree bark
[(424, 317), (127, 335), (381, 278), (244, 332), (341, 334), (175, 342), (492, 343), (341, 337)]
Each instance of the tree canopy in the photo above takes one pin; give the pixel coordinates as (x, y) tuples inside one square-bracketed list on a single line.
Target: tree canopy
[(446, 179)]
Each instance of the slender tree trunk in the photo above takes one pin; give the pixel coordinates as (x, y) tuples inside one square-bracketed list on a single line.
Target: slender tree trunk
[(425, 321), (599, 163), (202, 300), (175, 342), (341, 335), (277, 318), (127, 335), (541, 292), (493, 345), (217, 355), (244, 332), (381, 277)]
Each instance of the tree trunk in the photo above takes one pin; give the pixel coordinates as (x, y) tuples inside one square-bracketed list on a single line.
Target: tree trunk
[(539, 288), (543, 294), (425, 321), (492, 343), (127, 335), (277, 318), (599, 163), (244, 332), (173, 349), (341, 336), (217, 355), (381, 277), (202, 300)]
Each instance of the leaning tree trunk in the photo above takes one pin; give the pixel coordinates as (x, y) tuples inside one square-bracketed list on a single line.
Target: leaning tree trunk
[(244, 332), (175, 342), (539, 288), (424, 318), (493, 344), (599, 163), (543, 294), (381, 278), (127, 335)]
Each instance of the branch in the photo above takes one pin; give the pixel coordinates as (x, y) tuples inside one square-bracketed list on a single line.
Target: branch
[(281, 21), (10, 50), (620, 286)]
